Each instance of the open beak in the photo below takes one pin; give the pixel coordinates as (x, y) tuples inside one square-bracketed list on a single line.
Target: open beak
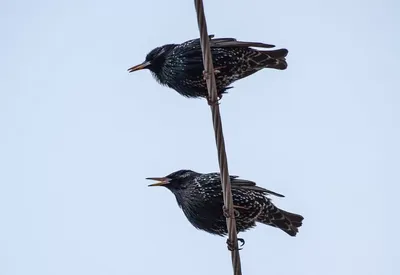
[(142, 66), (161, 181)]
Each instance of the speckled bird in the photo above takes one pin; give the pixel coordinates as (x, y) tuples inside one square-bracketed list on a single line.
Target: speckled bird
[(180, 66), (200, 197)]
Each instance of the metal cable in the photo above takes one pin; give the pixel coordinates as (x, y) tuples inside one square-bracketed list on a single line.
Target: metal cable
[(219, 136)]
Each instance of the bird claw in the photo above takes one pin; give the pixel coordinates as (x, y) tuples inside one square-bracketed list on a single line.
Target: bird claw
[(225, 210), (242, 242), (212, 102), (237, 213), (206, 75), (232, 246)]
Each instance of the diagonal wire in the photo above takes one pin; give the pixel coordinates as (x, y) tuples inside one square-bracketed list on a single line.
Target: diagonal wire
[(219, 136)]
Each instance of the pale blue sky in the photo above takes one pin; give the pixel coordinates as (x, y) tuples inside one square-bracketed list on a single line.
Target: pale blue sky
[(79, 135)]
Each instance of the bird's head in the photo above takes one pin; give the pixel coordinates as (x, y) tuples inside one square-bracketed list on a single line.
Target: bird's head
[(175, 181), (154, 59)]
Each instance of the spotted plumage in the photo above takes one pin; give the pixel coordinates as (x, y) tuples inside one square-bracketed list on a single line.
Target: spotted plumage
[(180, 66), (200, 197)]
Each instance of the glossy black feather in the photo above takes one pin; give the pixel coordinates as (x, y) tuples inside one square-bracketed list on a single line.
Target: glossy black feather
[(200, 197), (180, 66)]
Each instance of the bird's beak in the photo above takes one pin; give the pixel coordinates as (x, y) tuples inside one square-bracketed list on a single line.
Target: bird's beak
[(142, 66), (161, 181)]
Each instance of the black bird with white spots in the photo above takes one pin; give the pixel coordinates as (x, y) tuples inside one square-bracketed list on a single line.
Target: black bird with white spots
[(180, 66), (200, 197)]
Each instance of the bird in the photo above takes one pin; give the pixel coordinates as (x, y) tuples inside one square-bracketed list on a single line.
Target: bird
[(180, 66), (201, 200)]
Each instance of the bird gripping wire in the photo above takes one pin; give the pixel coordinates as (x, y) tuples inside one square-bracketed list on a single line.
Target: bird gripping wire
[(219, 136)]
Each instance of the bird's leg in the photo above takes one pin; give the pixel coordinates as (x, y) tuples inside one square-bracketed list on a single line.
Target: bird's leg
[(233, 246), (225, 210), (212, 102), (240, 207), (236, 212), (206, 75)]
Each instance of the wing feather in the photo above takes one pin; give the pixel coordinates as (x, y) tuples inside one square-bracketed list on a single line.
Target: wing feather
[(250, 185), (232, 42)]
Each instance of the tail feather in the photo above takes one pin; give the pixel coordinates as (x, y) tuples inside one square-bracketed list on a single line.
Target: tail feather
[(297, 220), (278, 54), (275, 59), (286, 221)]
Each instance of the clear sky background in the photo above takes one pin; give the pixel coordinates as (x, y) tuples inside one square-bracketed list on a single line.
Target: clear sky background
[(79, 135)]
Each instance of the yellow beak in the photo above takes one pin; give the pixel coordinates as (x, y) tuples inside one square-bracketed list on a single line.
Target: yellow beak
[(141, 66), (161, 181)]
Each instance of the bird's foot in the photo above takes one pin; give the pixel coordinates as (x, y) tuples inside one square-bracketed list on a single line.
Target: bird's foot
[(242, 242), (212, 102), (225, 210), (206, 75), (234, 246)]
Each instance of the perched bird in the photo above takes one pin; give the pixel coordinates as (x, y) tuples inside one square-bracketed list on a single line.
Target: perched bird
[(180, 66), (200, 197)]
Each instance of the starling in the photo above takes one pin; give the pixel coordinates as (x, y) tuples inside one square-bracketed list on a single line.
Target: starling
[(180, 66), (200, 198)]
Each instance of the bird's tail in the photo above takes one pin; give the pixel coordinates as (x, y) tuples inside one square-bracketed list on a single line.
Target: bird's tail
[(286, 221), (275, 59)]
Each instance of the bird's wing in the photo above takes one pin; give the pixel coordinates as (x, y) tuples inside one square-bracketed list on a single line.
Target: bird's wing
[(232, 42), (195, 42), (228, 42), (250, 185)]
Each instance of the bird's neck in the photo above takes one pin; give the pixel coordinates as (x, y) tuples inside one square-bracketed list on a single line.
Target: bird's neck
[(159, 76), (179, 198), (189, 206)]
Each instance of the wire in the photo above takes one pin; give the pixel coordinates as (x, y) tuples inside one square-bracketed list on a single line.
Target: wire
[(219, 136)]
